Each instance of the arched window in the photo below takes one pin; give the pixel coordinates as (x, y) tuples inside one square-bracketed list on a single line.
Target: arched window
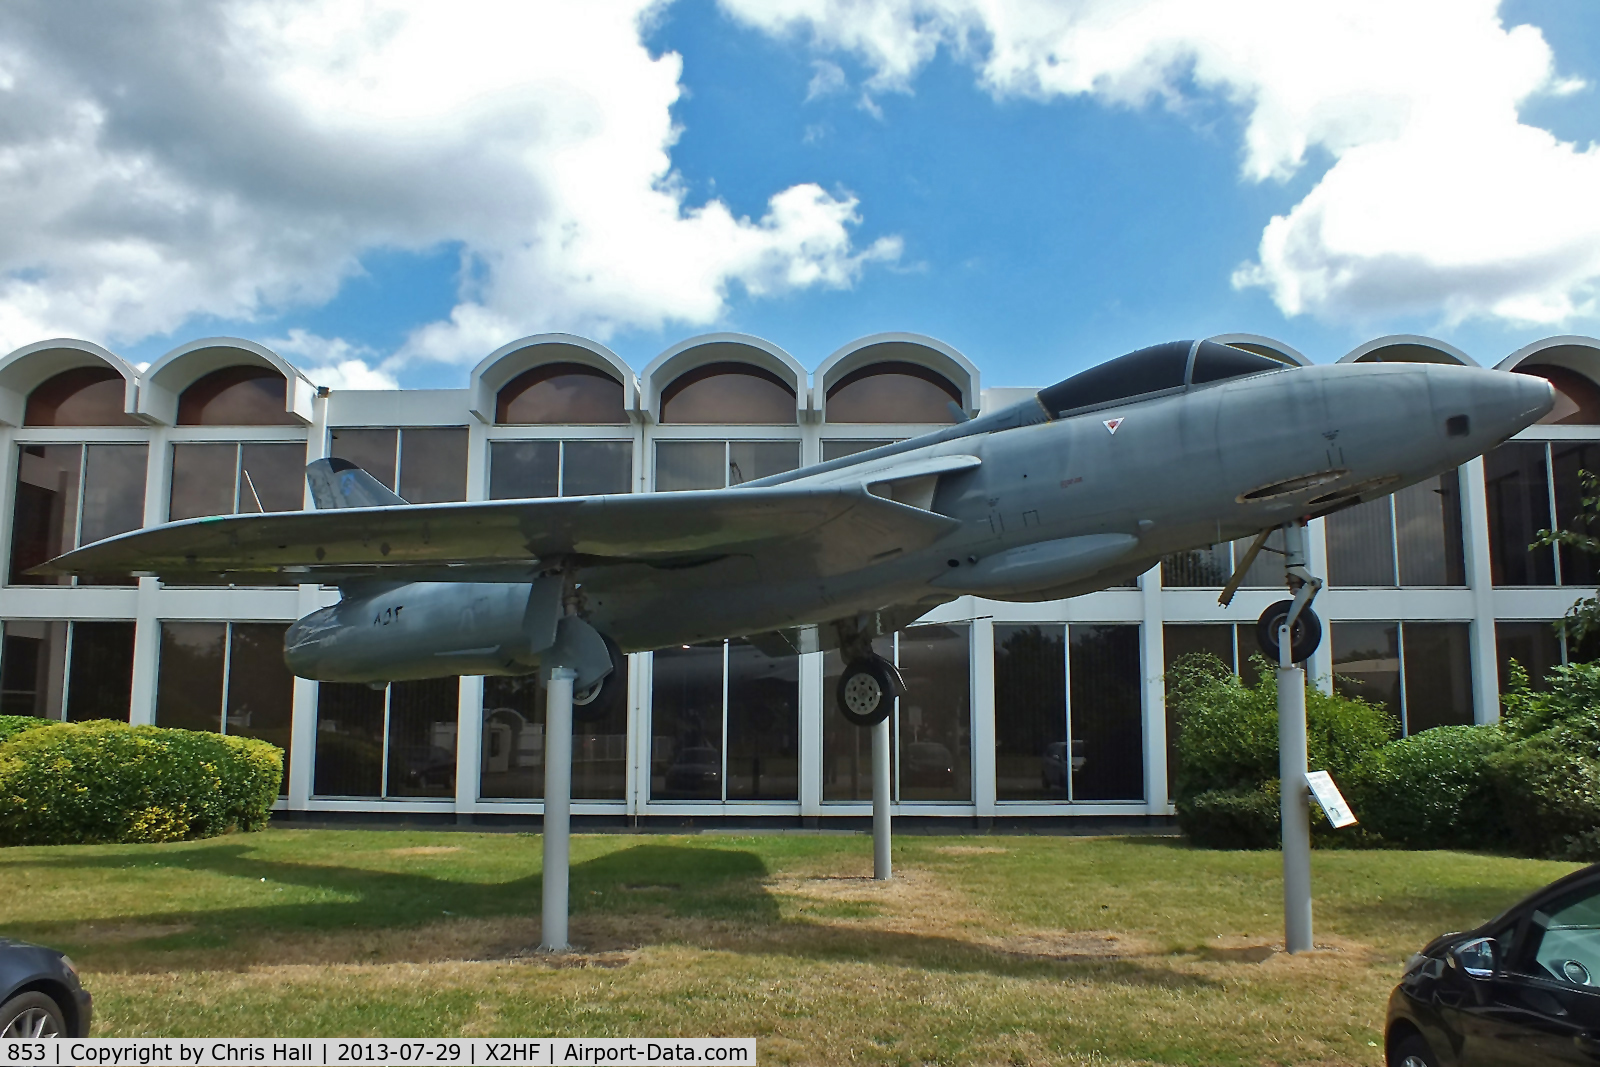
[(1577, 397), (563, 393), (236, 396), (892, 392), (83, 396), (729, 393)]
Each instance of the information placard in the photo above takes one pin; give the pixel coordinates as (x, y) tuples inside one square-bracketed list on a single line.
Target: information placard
[(1330, 799)]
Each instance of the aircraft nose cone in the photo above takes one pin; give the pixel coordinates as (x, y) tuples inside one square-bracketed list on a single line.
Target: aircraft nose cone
[(1488, 406)]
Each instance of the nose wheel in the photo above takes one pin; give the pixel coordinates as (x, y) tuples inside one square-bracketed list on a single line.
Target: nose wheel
[(866, 690), (1304, 636)]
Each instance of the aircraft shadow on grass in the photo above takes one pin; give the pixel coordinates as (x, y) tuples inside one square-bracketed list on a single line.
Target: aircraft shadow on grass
[(641, 894)]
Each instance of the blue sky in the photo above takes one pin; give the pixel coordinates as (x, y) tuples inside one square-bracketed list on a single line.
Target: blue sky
[(1038, 233)]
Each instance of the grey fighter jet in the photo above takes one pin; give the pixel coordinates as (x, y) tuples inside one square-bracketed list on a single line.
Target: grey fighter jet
[(1090, 481)]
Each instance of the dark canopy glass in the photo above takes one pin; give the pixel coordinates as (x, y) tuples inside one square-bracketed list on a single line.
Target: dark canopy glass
[(1214, 362), (1149, 370), (1156, 369)]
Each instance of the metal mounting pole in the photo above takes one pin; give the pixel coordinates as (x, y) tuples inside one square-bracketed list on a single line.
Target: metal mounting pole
[(881, 793), (557, 807), (1294, 804)]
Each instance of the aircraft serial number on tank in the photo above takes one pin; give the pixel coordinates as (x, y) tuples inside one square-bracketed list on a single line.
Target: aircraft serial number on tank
[(388, 615)]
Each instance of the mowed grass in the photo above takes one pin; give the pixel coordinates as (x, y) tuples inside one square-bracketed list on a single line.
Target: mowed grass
[(999, 949)]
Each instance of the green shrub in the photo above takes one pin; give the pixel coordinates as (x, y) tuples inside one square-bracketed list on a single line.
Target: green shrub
[(70, 783), (1432, 789), (1232, 818), (12, 725), (1573, 700), (1228, 748), (1548, 786)]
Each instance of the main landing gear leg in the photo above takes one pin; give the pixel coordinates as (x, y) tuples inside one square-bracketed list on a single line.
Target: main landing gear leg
[(866, 693)]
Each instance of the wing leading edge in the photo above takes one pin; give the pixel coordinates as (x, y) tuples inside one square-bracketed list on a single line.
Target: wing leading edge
[(828, 529)]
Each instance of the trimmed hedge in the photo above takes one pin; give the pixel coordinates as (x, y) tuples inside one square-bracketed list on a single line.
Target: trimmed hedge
[(1432, 790), (79, 783), (1232, 818), (12, 725)]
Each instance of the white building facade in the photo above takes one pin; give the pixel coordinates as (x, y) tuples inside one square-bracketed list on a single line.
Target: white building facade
[(1429, 593)]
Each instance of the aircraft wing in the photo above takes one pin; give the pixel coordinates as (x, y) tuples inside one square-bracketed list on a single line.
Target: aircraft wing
[(824, 529)]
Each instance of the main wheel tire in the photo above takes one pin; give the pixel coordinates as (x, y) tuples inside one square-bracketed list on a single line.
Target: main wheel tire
[(1412, 1051), (30, 1015), (865, 692), (593, 703), (1303, 639)]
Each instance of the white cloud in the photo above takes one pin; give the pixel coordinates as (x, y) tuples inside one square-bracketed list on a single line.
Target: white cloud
[(333, 361), (826, 79), (168, 160), (1438, 199)]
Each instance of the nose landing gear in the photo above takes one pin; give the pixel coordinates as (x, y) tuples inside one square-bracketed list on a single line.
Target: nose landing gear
[(867, 689)]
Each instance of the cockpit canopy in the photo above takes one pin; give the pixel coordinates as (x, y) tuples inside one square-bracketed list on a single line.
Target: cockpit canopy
[(1165, 368)]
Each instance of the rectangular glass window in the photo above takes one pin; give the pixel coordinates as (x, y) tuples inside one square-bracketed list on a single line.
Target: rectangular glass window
[(1516, 476), (1198, 568), (513, 742), (71, 495), (846, 749), (596, 468), (684, 465), (1438, 666), (1427, 522), (433, 464), (1032, 761), (350, 734), (100, 672), (524, 470), (1106, 712), (686, 723), (33, 668), (45, 517), (1366, 662), (763, 724), (1534, 645), (374, 451), (272, 477), (203, 480), (750, 461), (1567, 460), (75, 671), (190, 675), (113, 490), (528, 469), (934, 718), (834, 448), (260, 701), (1361, 544), (422, 738)]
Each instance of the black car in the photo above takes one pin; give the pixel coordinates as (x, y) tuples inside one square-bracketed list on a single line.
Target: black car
[(1523, 988), (41, 994)]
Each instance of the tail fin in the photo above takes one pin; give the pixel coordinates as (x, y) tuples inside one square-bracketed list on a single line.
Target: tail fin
[(338, 483)]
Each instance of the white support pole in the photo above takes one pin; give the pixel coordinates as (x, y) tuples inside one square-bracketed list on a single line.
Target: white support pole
[(557, 808), (1294, 806), (882, 791)]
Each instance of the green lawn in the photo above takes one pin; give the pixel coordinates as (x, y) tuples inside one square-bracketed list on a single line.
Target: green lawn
[(995, 949)]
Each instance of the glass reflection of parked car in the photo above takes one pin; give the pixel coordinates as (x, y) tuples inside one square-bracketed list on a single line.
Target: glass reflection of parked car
[(1053, 766), (1523, 988), (927, 763), (428, 767), (697, 771)]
